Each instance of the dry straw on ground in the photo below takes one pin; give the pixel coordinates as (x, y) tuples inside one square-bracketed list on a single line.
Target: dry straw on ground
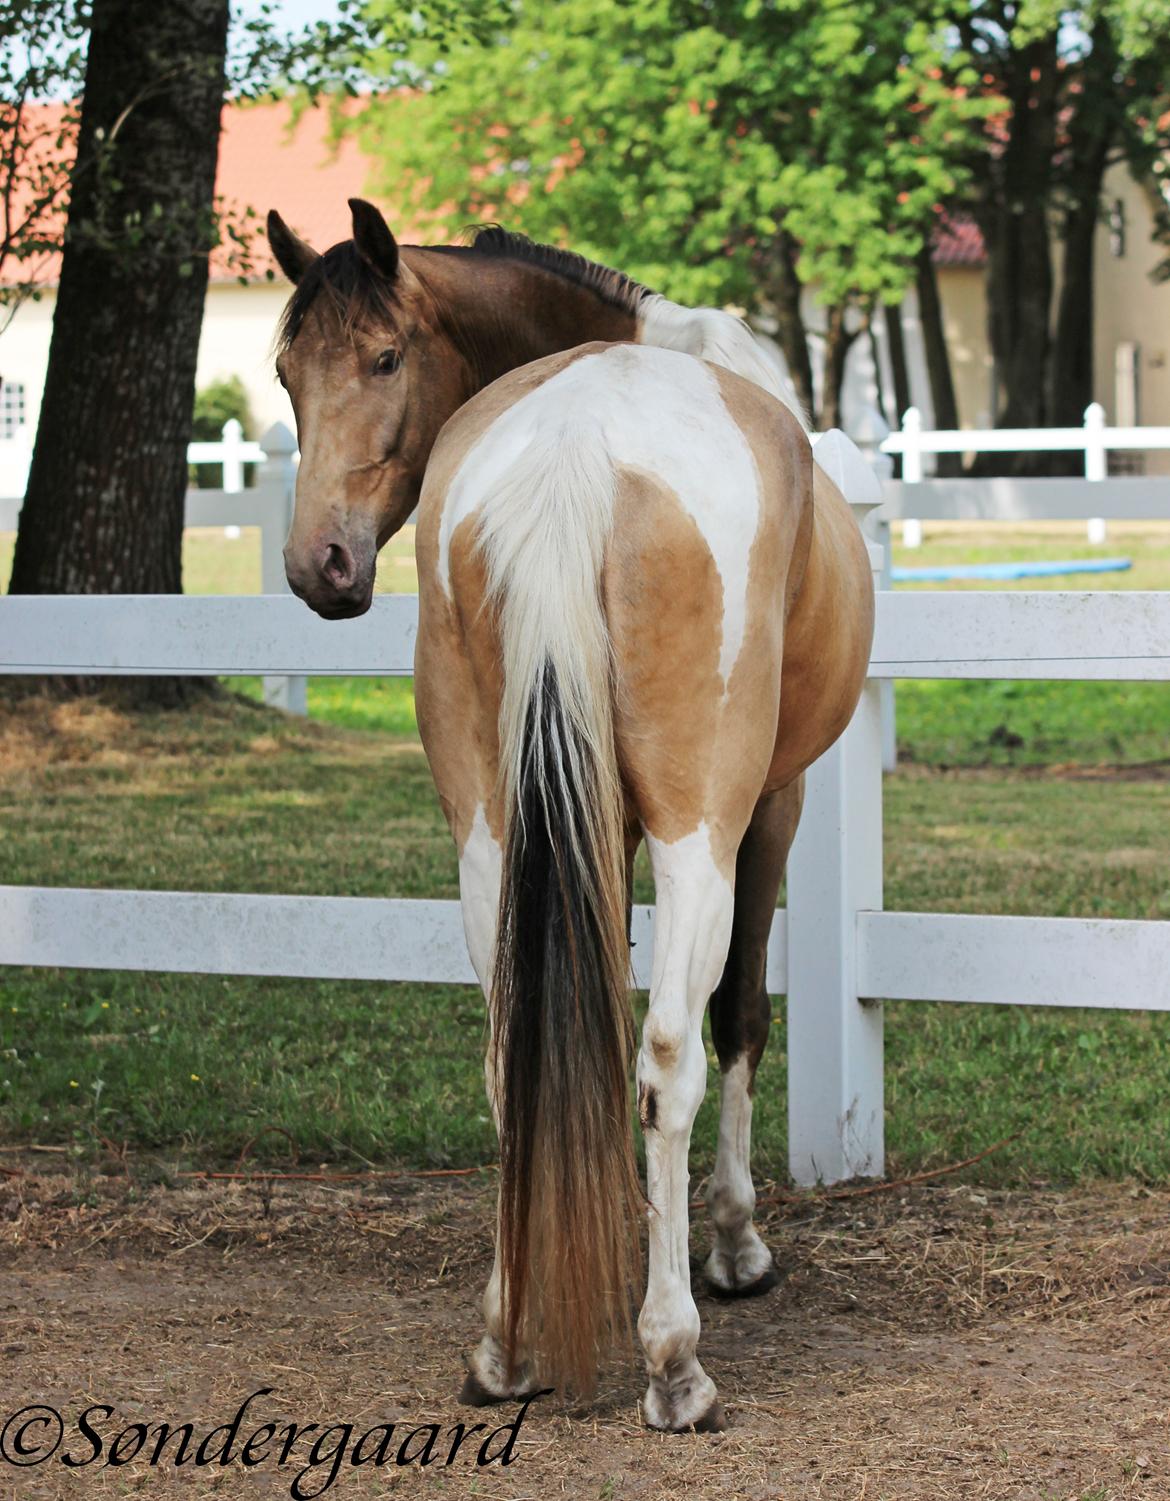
[(933, 1342)]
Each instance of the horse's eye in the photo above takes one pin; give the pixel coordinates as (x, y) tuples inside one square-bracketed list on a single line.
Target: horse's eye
[(387, 362)]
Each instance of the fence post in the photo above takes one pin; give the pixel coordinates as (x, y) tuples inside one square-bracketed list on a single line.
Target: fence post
[(836, 1120), (883, 578), (1096, 462), (911, 470), (277, 478), (233, 464)]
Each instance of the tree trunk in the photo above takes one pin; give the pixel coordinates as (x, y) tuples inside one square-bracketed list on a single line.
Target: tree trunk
[(938, 360), (838, 342), (879, 380), (1013, 217), (103, 511), (1091, 133), (896, 339), (783, 290)]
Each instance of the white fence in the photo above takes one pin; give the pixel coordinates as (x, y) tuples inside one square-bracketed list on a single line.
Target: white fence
[(835, 951), (267, 505), (1095, 440)]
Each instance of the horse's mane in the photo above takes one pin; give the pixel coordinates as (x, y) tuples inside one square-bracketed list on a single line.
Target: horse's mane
[(358, 294), (614, 287)]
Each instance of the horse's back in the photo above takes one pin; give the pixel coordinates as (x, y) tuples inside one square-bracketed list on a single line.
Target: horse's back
[(708, 522)]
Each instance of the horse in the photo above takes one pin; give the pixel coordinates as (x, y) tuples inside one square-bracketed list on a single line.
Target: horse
[(643, 613)]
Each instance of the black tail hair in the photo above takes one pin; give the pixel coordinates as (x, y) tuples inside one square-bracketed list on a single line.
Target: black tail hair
[(569, 1192)]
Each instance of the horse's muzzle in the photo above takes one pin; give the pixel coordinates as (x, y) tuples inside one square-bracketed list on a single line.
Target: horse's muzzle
[(337, 580)]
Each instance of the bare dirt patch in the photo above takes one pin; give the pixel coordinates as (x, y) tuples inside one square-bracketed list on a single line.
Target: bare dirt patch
[(940, 1342)]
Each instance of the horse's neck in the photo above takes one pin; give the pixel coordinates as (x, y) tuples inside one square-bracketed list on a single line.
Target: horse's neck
[(501, 314)]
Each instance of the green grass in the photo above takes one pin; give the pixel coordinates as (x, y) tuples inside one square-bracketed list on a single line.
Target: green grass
[(939, 723), (1036, 724), (236, 798)]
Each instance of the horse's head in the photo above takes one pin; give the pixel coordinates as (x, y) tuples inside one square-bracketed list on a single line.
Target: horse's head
[(372, 378)]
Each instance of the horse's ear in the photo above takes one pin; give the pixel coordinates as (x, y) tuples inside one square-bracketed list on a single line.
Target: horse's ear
[(293, 255), (371, 235)]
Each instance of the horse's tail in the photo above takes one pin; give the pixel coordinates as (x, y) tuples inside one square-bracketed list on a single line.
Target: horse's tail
[(569, 1194)]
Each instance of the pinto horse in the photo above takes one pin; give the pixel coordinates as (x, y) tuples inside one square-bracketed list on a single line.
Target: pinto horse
[(643, 613)]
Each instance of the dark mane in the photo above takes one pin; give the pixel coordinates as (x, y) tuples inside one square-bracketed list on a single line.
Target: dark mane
[(611, 286), (360, 297)]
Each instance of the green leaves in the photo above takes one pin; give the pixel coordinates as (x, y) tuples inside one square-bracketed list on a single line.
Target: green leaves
[(677, 141)]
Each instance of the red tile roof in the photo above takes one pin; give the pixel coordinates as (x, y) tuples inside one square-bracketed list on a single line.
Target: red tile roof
[(958, 242), (266, 160)]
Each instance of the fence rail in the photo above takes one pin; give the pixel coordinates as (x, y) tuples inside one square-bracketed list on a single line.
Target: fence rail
[(1122, 499), (1009, 634), (1095, 439), (835, 952)]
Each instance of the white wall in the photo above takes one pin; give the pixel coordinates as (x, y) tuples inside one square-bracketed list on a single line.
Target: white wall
[(238, 325)]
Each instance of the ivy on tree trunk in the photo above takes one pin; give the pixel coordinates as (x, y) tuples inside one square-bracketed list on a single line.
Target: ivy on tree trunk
[(103, 512)]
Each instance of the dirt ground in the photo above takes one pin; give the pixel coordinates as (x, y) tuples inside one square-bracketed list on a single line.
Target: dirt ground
[(929, 1342)]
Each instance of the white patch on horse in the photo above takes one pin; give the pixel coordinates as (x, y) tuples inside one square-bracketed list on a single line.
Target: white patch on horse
[(720, 337), (652, 409), (738, 1257), (480, 866), (693, 911)]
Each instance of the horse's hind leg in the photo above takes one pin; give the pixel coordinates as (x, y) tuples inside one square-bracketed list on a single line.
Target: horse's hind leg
[(741, 1016), (694, 902), (488, 1379)]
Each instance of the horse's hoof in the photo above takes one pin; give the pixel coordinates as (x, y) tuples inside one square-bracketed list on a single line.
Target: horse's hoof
[(714, 1420), (474, 1394), (763, 1284), (688, 1404)]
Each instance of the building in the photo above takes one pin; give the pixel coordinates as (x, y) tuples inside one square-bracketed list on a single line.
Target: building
[(269, 160), (265, 161)]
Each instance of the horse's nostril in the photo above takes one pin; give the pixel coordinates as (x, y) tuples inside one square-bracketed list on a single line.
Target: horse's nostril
[(338, 566)]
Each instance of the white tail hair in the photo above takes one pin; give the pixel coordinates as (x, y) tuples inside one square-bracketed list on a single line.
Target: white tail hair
[(542, 532), (720, 337)]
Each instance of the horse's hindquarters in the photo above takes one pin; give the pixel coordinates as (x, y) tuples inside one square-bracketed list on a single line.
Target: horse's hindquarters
[(827, 638)]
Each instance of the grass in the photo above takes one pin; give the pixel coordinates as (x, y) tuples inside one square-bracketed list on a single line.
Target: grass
[(939, 723), (1036, 724), (237, 798)]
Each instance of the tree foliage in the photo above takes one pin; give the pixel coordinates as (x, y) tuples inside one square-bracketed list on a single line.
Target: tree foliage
[(719, 151), (1084, 86), (43, 52)]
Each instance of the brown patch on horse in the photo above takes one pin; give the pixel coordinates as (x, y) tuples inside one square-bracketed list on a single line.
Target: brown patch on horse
[(711, 749), (458, 682), (661, 591), (829, 633)]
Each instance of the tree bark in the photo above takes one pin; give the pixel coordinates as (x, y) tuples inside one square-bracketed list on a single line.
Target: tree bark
[(1013, 216), (103, 512), (938, 359), (838, 342), (1091, 131), (783, 289)]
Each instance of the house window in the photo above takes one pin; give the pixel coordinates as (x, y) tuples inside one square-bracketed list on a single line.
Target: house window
[(1117, 228), (11, 408)]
